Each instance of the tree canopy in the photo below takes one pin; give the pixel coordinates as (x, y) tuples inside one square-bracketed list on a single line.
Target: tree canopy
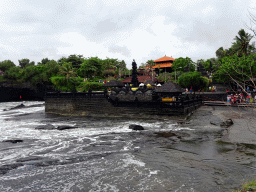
[(6, 65), (194, 80), (181, 63)]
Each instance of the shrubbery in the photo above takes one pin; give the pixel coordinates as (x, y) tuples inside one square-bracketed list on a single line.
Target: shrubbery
[(194, 80), (94, 86), (63, 84)]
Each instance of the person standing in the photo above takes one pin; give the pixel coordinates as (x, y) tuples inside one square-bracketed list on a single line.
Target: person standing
[(247, 99)]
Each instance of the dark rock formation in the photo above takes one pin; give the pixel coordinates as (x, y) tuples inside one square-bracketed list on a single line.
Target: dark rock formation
[(18, 106), (62, 127), (165, 134), (25, 159), (5, 168), (215, 120), (14, 141), (227, 123), (46, 127), (136, 127)]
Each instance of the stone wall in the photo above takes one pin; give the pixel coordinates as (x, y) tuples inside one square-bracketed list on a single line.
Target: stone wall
[(79, 105)]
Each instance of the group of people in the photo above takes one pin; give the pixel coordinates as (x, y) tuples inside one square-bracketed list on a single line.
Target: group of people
[(241, 98)]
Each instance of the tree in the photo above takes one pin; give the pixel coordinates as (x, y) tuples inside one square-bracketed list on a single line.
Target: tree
[(181, 63), (91, 67), (242, 45), (13, 74), (194, 80), (75, 60), (43, 61), (67, 70), (6, 65), (24, 62), (33, 74), (110, 63), (239, 70), (121, 66)]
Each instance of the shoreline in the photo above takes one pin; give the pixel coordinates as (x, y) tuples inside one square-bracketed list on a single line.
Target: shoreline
[(242, 131)]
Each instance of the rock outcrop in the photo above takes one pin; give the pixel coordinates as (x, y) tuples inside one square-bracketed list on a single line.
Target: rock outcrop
[(136, 127)]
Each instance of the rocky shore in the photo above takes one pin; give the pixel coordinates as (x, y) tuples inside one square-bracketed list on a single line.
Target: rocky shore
[(211, 118)]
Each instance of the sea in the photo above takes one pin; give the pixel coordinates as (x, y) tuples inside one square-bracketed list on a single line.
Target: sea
[(104, 155)]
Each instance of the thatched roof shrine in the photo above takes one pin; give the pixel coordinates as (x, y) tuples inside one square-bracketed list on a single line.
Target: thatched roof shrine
[(169, 87)]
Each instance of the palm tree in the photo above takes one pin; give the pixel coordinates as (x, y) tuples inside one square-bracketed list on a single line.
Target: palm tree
[(67, 70), (242, 46)]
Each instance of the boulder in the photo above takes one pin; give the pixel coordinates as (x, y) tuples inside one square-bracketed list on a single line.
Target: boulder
[(14, 141), (215, 120), (136, 127), (62, 127), (46, 127), (17, 107), (227, 123)]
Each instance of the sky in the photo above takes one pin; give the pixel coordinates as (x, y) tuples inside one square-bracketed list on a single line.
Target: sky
[(126, 30)]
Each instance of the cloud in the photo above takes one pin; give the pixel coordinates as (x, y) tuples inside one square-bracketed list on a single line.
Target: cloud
[(126, 30), (119, 49)]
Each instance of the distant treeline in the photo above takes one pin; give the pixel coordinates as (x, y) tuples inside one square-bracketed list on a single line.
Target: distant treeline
[(236, 64)]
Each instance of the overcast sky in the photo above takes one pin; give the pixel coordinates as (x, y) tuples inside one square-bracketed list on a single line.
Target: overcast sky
[(127, 30)]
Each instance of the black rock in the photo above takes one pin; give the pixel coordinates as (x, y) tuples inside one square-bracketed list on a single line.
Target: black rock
[(18, 106), (46, 127), (14, 141), (29, 159), (136, 127), (217, 123), (215, 120), (227, 123), (5, 168), (62, 127)]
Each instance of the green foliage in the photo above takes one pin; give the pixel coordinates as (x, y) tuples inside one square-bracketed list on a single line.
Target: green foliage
[(52, 68), (6, 64), (61, 83), (194, 80), (107, 73), (33, 74), (110, 63), (150, 63), (94, 86), (236, 69), (91, 67), (75, 60), (240, 47), (13, 74), (44, 61), (207, 64), (67, 70), (166, 77), (25, 62), (181, 63), (249, 186), (1, 78)]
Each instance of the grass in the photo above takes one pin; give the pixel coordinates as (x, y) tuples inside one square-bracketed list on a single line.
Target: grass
[(249, 186)]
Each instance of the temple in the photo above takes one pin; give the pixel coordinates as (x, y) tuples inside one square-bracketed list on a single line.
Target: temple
[(163, 63)]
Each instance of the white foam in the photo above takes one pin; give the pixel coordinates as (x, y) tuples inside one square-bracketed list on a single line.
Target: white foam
[(130, 160)]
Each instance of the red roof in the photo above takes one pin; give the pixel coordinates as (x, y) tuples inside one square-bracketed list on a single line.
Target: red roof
[(162, 65), (141, 79), (164, 59)]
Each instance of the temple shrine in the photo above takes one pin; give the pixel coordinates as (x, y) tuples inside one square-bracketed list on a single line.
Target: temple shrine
[(164, 63)]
